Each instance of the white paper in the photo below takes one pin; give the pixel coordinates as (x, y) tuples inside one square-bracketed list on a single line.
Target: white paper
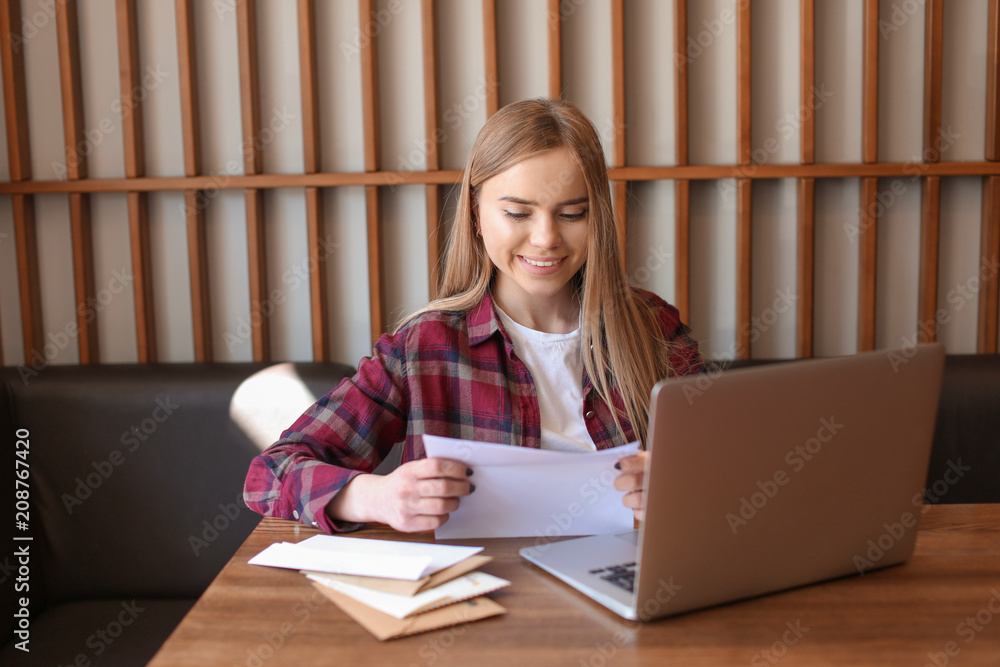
[(525, 492), (467, 586), (371, 558)]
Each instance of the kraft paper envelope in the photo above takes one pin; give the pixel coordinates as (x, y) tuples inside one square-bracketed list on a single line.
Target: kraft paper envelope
[(466, 587), (384, 626), (405, 586)]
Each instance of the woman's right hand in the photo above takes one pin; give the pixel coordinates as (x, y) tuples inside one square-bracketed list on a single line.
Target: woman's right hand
[(416, 496)]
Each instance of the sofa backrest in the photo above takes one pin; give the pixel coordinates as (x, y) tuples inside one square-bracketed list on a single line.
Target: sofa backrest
[(136, 475)]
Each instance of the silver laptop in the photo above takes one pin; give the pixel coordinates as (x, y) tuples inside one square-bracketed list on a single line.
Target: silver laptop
[(767, 478)]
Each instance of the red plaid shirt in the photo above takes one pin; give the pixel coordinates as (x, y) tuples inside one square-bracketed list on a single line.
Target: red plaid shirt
[(453, 374)]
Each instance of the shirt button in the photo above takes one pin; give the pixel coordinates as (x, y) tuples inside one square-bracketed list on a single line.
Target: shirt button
[(295, 514), (589, 414)]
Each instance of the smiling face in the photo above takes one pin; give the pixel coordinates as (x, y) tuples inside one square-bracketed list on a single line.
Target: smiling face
[(534, 219)]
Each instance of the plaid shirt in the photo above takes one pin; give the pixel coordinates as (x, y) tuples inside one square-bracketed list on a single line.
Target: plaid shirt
[(453, 374)]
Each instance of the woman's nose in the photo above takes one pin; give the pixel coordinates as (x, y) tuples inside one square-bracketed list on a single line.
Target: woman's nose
[(545, 233)]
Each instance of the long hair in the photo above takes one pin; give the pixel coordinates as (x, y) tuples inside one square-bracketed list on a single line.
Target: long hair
[(621, 343)]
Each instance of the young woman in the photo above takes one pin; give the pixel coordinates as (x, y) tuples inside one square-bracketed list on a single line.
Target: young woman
[(537, 340)]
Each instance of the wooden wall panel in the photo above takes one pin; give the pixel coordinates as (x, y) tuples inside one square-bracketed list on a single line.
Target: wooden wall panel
[(254, 183)]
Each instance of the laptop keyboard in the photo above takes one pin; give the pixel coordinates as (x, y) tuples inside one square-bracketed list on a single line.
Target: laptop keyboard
[(622, 576)]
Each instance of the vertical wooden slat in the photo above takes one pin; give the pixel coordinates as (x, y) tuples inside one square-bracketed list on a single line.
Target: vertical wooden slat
[(555, 49), (197, 243), (132, 93), (246, 28), (869, 102), (989, 289), (682, 245), (930, 207), (867, 249), (19, 163), (744, 186), (256, 248), (989, 281), (868, 218), (432, 131), (743, 84), (619, 188), (27, 276), (930, 225), (807, 80), (682, 188), (76, 167), (993, 82), (370, 112), (933, 51), (744, 270), (490, 59), (805, 263), (680, 82), (194, 200), (312, 152)]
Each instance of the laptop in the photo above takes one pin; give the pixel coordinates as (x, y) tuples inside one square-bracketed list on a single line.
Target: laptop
[(767, 478)]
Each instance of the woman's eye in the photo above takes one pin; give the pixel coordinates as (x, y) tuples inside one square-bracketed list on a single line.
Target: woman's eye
[(575, 216), (515, 215)]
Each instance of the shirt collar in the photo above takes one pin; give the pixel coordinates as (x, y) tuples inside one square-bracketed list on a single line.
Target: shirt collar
[(483, 321)]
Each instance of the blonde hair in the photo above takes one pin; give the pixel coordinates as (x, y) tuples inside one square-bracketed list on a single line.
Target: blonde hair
[(612, 314)]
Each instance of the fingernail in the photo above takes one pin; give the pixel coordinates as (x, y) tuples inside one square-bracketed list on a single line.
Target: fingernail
[(468, 471), (472, 487), (618, 465)]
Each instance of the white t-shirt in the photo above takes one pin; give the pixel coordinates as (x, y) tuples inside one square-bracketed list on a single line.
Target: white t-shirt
[(557, 369)]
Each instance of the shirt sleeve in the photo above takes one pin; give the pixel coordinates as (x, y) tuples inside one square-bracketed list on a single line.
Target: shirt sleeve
[(344, 434), (685, 359)]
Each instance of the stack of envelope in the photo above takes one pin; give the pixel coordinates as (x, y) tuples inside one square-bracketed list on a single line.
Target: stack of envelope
[(393, 589)]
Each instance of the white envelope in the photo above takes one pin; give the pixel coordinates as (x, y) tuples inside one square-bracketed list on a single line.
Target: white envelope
[(525, 492), (355, 555)]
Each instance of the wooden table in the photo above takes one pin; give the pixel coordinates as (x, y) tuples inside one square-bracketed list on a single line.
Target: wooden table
[(943, 607)]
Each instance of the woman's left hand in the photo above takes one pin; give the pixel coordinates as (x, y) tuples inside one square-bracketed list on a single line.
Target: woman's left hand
[(633, 469)]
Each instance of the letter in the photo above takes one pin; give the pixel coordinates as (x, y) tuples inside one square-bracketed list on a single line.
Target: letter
[(232, 342), (103, 468), (690, 393), (98, 647), (167, 405), (908, 520), (785, 128), (831, 424), (589, 494), (209, 534), (69, 501), (130, 440), (796, 462), (875, 553), (884, 28), (226, 510), (861, 564), (895, 529), (758, 661), (781, 477), (958, 467), (734, 522), (769, 488), (83, 489), (750, 509), (196, 544)]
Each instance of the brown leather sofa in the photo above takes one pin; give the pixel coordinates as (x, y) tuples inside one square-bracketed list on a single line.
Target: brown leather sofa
[(136, 479), (136, 475)]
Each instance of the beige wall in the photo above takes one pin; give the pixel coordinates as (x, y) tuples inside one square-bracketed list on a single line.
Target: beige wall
[(586, 80)]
